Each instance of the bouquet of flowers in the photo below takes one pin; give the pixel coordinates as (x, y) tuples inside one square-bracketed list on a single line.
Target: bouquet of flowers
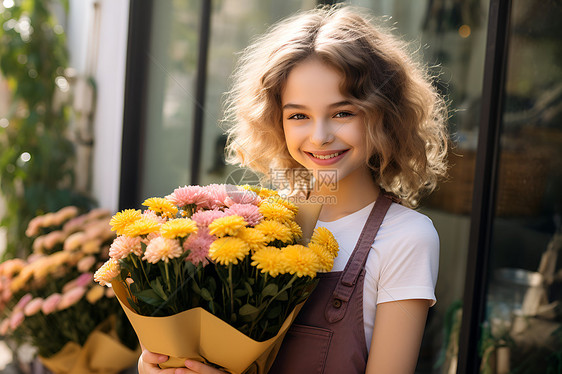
[(50, 299), (218, 270)]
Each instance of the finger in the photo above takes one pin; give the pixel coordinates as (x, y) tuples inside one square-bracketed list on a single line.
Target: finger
[(183, 371), (153, 358), (148, 363), (146, 368), (198, 367)]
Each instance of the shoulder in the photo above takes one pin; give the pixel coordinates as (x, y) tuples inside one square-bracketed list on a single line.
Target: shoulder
[(408, 226)]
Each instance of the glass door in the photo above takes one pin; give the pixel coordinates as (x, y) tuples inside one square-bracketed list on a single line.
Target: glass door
[(522, 331)]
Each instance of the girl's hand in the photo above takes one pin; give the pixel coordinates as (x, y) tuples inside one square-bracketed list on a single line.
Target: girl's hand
[(198, 367), (148, 363)]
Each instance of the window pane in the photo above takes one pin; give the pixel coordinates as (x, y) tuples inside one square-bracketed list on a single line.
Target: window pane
[(172, 56), (521, 332), (233, 24)]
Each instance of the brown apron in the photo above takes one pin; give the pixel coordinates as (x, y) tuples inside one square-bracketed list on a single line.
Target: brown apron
[(328, 335)]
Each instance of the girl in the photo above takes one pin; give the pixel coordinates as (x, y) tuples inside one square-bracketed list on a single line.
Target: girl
[(327, 91)]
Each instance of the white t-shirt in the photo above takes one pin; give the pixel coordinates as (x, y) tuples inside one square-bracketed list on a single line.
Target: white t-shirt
[(403, 261)]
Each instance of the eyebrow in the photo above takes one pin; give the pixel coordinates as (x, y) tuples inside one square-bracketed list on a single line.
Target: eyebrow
[(334, 105)]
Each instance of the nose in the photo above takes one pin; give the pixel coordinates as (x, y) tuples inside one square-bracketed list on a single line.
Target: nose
[(322, 133)]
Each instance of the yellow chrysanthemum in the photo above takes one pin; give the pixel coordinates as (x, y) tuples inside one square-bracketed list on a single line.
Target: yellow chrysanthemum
[(286, 203), (95, 293), (268, 260), (91, 247), (228, 250), (123, 219), (325, 259), (296, 230), (275, 230), (255, 189), (142, 226), (255, 238), (277, 212), (21, 279), (178, 228), (52, 263), (266, 193), (228, 225), (42, 267), (107, 272), (161, 205), (11, 267), (325, 238), (300, 260)]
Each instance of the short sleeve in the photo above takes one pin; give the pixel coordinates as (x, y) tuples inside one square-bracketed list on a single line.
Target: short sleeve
[(405, 261)]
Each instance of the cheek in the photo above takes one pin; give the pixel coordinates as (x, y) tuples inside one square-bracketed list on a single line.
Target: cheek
[(291, 137)]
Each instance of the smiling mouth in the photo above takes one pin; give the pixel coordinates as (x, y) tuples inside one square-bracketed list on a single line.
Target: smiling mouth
[(328, 156)]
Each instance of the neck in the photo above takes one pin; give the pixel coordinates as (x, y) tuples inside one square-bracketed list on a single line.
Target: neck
[(349, 195)]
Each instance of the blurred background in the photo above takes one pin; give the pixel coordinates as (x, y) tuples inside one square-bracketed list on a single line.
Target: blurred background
[(104, 103)]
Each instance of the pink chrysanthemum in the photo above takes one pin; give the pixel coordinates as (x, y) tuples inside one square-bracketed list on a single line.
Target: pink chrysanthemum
[(23, 302), (198, 245), (125, 245), (205, 217), (16, 319), (162, 249), (240, 196), (249, 212), (86, 263), (71, 297), (50, 304), (186, 195), (150, 237), (74, 224), (33, 307), (5, 326), (215, 194), (81, 281)]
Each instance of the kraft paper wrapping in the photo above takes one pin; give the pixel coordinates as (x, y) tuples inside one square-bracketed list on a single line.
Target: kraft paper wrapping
[(307, 217), (197, 334), (102, 353)]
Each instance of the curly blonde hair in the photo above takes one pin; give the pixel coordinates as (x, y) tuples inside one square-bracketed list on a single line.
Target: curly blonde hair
[(405, 116)]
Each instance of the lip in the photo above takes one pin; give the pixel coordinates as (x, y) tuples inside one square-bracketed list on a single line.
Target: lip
[(329, 161)]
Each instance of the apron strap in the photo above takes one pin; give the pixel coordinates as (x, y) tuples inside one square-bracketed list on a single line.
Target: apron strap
[(337, 305)]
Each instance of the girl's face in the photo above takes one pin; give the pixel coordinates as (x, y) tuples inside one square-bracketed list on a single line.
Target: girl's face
[(323, 130)]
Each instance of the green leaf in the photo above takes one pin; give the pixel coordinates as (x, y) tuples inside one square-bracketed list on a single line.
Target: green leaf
[(270, 290), (239, 292), (157, 287), (249, 288), (150, 297), (283, 296), (206, 295), (196, 288), (248, 310)]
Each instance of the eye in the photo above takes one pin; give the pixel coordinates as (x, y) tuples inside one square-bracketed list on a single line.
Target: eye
[(297, 116), (343, 114)]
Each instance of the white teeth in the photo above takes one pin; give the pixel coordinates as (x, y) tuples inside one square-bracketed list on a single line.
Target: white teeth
[(322, 157)]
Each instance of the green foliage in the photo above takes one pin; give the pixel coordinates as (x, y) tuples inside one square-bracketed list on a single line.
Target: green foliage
[(254, 303), (33, 57)]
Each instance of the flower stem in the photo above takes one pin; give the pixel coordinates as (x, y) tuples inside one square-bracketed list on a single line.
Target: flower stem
[(231, 296), (168, 277)]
